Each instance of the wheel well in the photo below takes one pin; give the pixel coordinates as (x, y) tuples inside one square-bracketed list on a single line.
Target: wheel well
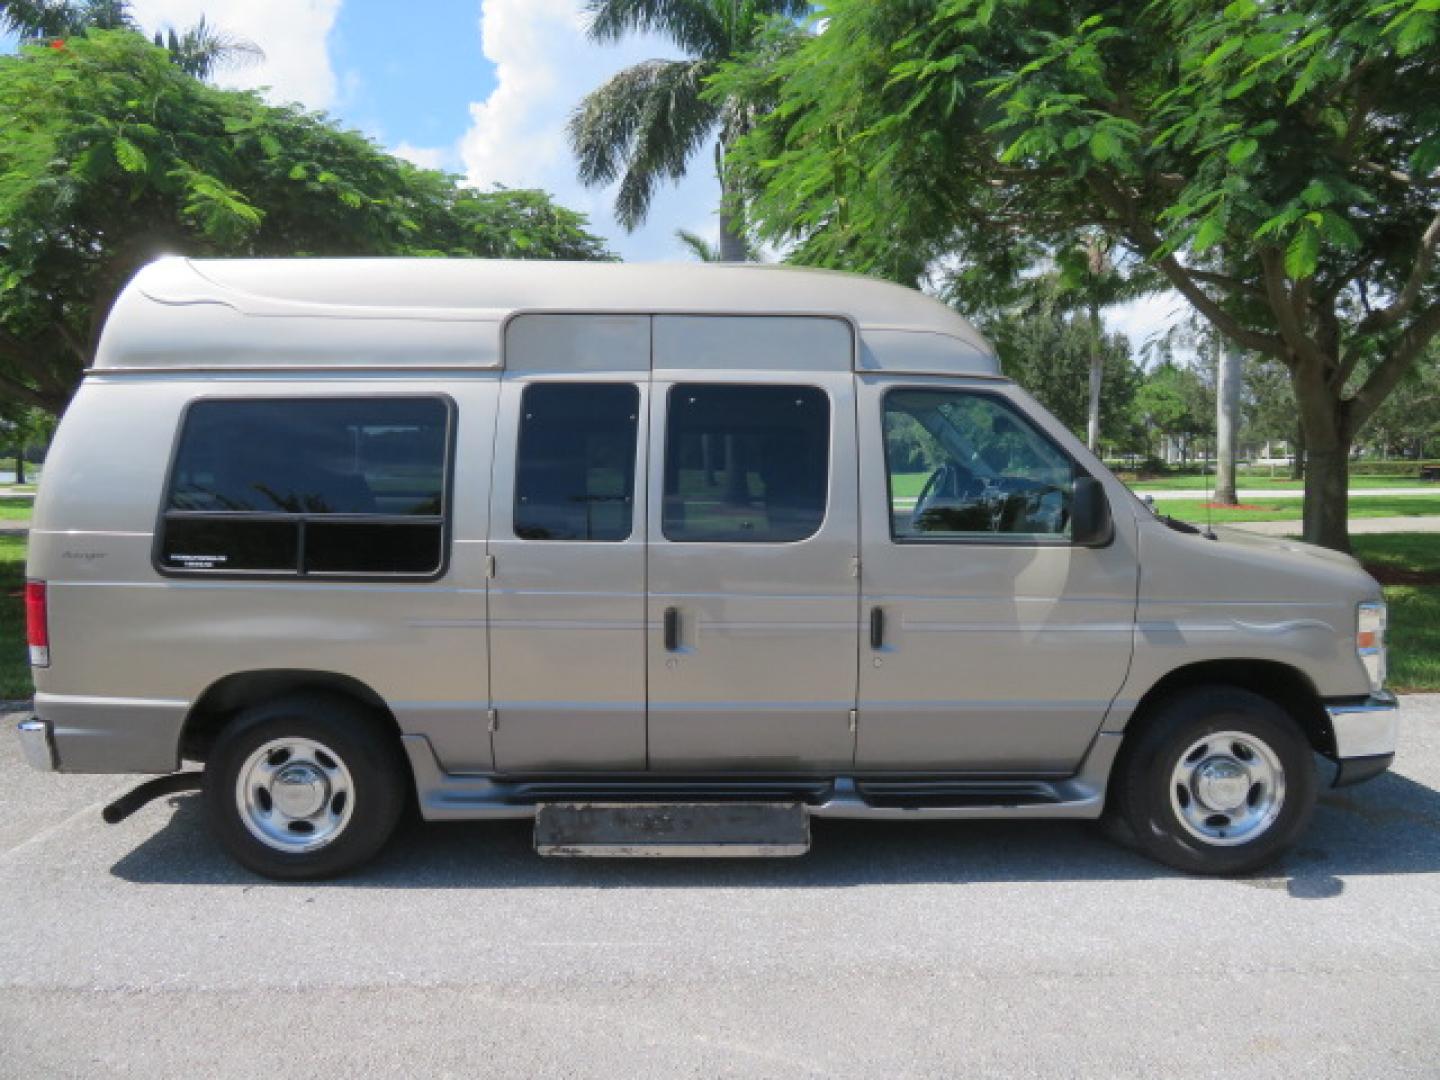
[(223, 699), (1287, 687)]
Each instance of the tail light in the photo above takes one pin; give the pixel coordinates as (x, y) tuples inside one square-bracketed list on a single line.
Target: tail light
[(37, 624)]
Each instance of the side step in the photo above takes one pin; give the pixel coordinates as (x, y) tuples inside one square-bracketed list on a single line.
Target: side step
[(677, 830)]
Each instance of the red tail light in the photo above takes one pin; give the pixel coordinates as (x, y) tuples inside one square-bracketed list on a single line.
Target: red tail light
[(37, 624)]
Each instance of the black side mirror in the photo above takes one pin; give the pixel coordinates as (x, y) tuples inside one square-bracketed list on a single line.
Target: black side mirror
[(1090, 521)]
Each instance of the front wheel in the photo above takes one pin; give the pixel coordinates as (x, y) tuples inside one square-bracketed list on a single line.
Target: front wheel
[(304, 788), (1221, 781)]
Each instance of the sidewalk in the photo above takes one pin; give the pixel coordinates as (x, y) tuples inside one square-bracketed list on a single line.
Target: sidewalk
[(1358, 526)]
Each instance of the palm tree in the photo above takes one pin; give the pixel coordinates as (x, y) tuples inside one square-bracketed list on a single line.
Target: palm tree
[(1088, 281), (698, 246), (645, 124), (203, 49)]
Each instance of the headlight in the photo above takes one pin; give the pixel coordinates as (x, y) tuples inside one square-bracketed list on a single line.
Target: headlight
[(1370, 641)]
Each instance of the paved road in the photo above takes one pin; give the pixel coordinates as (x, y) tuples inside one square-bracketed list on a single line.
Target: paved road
[(928, 950)]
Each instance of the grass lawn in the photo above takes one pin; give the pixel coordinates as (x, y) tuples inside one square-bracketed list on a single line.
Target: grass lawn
[(1289, 509), (1408, 564), (1196, 482), (14, 663), (14, 508), (908, 485)]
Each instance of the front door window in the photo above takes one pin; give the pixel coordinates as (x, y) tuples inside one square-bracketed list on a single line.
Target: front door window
[(966, 466)]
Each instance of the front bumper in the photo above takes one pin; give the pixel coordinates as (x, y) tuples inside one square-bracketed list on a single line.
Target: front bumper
[(38, 744), (1366, 732)]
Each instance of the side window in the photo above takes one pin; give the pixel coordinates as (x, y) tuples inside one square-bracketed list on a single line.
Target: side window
[(969, 466), (748, 464), (575, 462), (309, 486)]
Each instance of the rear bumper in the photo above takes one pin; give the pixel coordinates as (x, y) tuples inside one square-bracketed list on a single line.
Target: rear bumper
[(37, 744), (103, 735), (1366, 733)]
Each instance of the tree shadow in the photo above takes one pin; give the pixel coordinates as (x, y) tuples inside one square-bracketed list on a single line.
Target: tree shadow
[(1388, 826)]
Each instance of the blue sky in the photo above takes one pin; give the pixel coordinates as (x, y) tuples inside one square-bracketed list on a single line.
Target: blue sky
[(482, 88)]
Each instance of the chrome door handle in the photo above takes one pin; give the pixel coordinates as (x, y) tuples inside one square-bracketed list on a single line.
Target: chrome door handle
[(672, 629)]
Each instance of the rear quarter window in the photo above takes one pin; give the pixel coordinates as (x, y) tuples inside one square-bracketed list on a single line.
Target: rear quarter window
[(309, 486)]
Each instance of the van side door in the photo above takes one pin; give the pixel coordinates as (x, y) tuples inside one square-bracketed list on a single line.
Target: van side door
[(994, 643), (567, 534), (753, 536)]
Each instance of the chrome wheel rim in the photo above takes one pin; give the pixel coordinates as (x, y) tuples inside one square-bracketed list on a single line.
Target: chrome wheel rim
[(295, 794), (1227, 788)]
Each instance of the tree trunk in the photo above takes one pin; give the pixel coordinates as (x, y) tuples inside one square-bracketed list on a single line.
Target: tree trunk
[(20, 464), (1097, 375), (1327, 459), (732, 242), (732, 246), (1227, 424), (1327, 482), (1297, 455)]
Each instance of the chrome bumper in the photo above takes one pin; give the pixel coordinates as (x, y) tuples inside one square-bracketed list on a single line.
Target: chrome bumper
[(1368, 728), (38, 744)]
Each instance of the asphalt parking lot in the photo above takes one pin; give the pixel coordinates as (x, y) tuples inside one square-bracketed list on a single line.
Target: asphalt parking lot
[(917, 950)]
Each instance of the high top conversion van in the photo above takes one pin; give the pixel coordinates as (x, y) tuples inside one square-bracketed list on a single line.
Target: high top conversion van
[(669, 558)]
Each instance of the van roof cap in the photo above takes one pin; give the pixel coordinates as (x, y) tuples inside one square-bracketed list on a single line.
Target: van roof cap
[(220, 314)]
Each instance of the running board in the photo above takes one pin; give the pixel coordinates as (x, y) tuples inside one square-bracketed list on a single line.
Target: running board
[(475, 797), (672, 830)]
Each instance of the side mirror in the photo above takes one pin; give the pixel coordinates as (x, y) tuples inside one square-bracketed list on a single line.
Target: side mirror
[(1090, 522)]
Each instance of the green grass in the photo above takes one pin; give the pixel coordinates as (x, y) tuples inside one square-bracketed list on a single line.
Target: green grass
[(1196, 482), (14, 663), (13, 508), (1414, 631), (908, 485), (1290, 509)]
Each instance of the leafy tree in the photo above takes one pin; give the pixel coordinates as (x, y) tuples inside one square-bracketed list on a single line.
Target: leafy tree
[(200, 50), (1174, 401), (1408, 424), (112, 155), (1051, 351), (1276, 163), (21, 428), (647, 122)]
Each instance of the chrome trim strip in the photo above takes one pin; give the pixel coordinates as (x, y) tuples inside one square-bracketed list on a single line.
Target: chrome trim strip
[(37, 745), (1366, 728)]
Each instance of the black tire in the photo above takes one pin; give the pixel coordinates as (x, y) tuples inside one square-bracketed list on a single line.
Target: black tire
[(361, 744), (1144, 792)]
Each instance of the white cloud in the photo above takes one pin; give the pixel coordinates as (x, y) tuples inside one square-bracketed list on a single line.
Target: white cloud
[(544, 65), (1148, 318), (427, 157), (293, 33)]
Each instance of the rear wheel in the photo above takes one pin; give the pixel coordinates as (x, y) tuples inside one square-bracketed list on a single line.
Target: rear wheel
[(1221, 781), (304, 788)]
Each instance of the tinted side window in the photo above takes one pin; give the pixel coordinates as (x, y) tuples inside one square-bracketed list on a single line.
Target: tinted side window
[(309, 486), (748, 464), (575, 462), (967, 465)]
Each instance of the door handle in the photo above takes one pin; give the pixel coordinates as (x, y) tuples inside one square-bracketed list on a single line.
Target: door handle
[(877, 628), (672, 629)]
